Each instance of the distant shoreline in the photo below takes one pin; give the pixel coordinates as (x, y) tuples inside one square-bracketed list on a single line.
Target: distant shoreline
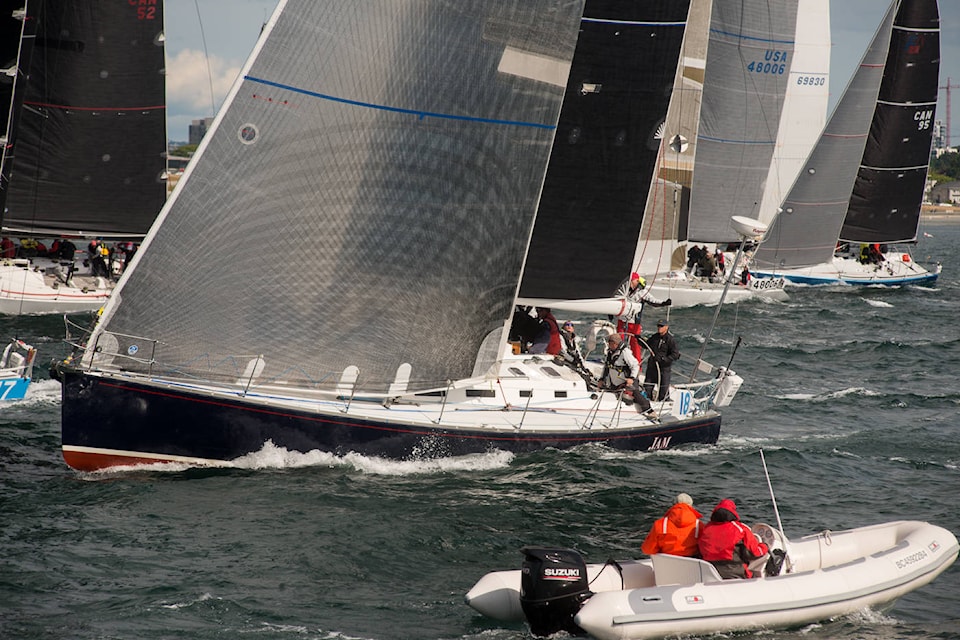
[(940, 213)]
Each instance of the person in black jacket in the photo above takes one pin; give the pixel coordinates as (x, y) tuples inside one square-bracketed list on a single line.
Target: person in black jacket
[(663, 353)]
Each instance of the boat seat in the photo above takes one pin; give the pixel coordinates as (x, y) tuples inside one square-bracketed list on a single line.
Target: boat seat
[(669, 569)]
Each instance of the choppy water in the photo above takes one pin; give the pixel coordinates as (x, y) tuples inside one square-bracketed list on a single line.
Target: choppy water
[(853, 395)]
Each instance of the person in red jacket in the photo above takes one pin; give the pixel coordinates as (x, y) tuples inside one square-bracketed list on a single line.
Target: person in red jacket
[(676, 532), (547, 339), (728, 544)]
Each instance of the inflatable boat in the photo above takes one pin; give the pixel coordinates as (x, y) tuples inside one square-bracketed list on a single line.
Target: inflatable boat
[(824, 575)]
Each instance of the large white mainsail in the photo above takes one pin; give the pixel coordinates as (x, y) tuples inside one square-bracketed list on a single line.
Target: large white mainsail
[(805, 105), (749, 59), (741, 164)]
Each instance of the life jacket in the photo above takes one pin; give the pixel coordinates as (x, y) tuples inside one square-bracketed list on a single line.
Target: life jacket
[(616, 370), (675, 533), (730, 545), (555, 346)]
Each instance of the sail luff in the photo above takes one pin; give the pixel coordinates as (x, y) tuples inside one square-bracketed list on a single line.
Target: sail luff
[(364, 199), (805, 231)]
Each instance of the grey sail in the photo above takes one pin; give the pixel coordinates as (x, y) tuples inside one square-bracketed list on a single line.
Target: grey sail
[(748, 67), (364, 199), (805, 232)]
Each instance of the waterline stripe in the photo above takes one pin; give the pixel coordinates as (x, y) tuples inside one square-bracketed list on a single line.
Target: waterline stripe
[(414, 112)]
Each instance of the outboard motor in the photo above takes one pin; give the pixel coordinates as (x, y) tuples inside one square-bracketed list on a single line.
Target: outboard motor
[(553, 587)]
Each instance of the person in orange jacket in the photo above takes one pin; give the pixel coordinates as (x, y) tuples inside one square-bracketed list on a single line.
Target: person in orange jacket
[(677, 532), (728, 544)]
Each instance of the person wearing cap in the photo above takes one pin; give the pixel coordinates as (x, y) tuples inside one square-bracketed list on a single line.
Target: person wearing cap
[(621, 371), (728, 544), (628, 322), (663, 353), (677, 532)]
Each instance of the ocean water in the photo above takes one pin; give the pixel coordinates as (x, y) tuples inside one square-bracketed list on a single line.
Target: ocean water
[(852, 395)]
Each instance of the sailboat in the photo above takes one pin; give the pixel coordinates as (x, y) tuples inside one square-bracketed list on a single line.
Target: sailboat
[(642, 226), (747, 107), (863, 183), (16, 369), (85, 144), (396, 186), (824, 575)]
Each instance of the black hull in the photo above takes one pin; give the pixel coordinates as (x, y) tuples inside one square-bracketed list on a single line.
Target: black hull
[(118, 422)]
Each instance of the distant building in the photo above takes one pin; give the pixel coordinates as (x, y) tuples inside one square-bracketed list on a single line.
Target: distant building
[(176, 164), (945, 193), (939, 135), (198, 129)]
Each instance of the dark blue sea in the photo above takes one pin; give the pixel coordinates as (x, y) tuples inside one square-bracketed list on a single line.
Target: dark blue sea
[(852, 394)]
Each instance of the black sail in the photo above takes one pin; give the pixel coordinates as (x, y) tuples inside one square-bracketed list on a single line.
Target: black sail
[(605, 149), (90, 148), (885, 204)]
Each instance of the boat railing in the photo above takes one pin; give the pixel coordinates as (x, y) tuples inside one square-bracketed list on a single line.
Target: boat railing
[(115, 352)]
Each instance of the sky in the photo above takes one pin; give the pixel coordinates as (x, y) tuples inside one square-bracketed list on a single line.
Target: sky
[(226, 31)]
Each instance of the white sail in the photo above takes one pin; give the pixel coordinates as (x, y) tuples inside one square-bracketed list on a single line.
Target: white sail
[(805, 104)]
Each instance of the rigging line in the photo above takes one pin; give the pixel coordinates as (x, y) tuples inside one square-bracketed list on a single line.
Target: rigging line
[(206, 56)]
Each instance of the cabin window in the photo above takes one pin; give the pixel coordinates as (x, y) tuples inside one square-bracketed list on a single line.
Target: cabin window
[(550, 371), (481, 393), (526, 393)]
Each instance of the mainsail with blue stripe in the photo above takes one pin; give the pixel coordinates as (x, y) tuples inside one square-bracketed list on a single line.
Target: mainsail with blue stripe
[(364, 199)]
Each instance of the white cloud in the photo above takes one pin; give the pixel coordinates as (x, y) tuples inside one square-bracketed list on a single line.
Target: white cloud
[(190, 75)]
